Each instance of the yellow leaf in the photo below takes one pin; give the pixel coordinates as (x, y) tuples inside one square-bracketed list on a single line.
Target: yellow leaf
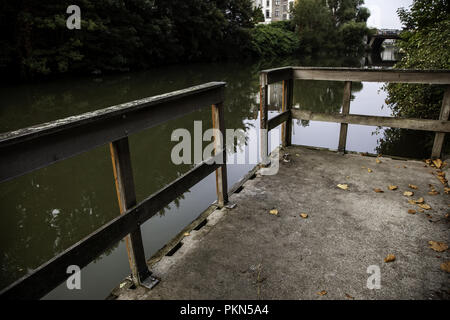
[(343, 186), (445, 266), (437, 163), (420, 200), (369, 170), (408, 193), (447, 190), (378, 161), (433, 193), (421, 210), (389, 258), (322, 293), (274, 212), (411, 201), (438, 246), (411, 211), (378, 190), (413, 187), (186, 234), (424, 206), (303, 215), (393, 187)]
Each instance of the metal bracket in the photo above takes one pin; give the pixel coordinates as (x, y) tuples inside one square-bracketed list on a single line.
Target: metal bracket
[(150, 282)]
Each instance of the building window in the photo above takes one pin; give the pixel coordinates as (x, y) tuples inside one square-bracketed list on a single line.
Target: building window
[(277, 13), (285, 9), (277, 2), (268, 3), (284, 16), (267, 14)]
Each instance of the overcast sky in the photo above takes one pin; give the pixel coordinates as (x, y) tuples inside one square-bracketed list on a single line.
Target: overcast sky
[(383, 13)]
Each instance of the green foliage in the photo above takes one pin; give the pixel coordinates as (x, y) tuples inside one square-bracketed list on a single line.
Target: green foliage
[(121, 35), (272, 40), (334, 25), (426, 44)]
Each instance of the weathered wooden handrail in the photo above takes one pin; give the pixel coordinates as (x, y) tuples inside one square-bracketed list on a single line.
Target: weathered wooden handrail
[(64, 138), (348, 75)]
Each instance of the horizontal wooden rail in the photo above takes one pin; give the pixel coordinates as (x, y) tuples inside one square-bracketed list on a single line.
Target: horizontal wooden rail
[(355, 74), (279, 119), (414, 124), (51, 274), (25, 150)]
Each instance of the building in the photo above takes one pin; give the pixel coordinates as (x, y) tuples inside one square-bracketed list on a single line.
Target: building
[(275, 10)]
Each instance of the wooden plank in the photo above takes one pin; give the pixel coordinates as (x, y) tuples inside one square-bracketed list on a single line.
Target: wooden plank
[(373, 75), (288, 96), (275, 75), (345, 111), (440, 136), (264, 124), (218, 120), (36, 147), (414, 124), (278, 119), (48, 276), (126, 195)]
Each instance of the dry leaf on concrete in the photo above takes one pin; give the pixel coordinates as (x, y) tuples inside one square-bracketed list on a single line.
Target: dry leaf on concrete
[(438, 246), (393, 187), (412, 211), (445, 266), (322, 293), (303, 215), (378, 190), (343, 186), (424, 206), (437, 163), (274, 212), (389, 258), (408, 193), (412, 186), (369, 170)]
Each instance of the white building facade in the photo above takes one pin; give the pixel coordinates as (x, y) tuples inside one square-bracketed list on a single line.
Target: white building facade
[(275, 10)]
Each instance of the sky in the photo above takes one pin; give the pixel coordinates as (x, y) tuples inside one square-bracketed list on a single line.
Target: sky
[(384, 13)]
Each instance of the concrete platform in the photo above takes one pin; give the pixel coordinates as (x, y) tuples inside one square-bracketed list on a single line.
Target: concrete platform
[(248, 253)]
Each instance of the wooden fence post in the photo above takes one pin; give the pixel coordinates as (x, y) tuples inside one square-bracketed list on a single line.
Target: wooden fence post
[(123, 177), (264, 121), (286, 128), (345, 111), (440, 136), (218, 120)]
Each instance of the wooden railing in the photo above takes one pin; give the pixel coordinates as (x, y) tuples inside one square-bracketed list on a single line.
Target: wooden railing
[(36, 147), (289, 74)]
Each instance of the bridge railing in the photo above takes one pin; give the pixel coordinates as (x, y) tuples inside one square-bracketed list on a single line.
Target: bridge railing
[(36, 147), (287, 76)]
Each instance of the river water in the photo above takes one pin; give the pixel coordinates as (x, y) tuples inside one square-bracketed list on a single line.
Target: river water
[(45, 212)]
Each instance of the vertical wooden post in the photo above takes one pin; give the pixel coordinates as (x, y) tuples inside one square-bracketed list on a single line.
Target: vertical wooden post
[(123, 176), (440, 136), (286, 128), (345, 111), (218, 120), (264, 121)]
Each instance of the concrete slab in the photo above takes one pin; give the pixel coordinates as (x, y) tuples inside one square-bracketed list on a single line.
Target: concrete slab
[(247, 253)]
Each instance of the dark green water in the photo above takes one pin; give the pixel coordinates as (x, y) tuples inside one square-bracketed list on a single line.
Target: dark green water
[(45, 212)]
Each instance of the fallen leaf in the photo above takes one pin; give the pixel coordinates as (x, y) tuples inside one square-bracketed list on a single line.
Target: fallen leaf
[(428, 161), (447, 190), (413, 186), (408, 193), (420, 200), (343, 186), (412, 211), (274, 212), (378, 190), (438, 246), (424, 206), (369, 170), (437, 163), (411, 201), (297, 155), (303, 215), (433, 193), (350, 297), (322, 293), (445, 266), (186, 234), (378, 161), (389, 258), (421, 210), (393, 187)]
